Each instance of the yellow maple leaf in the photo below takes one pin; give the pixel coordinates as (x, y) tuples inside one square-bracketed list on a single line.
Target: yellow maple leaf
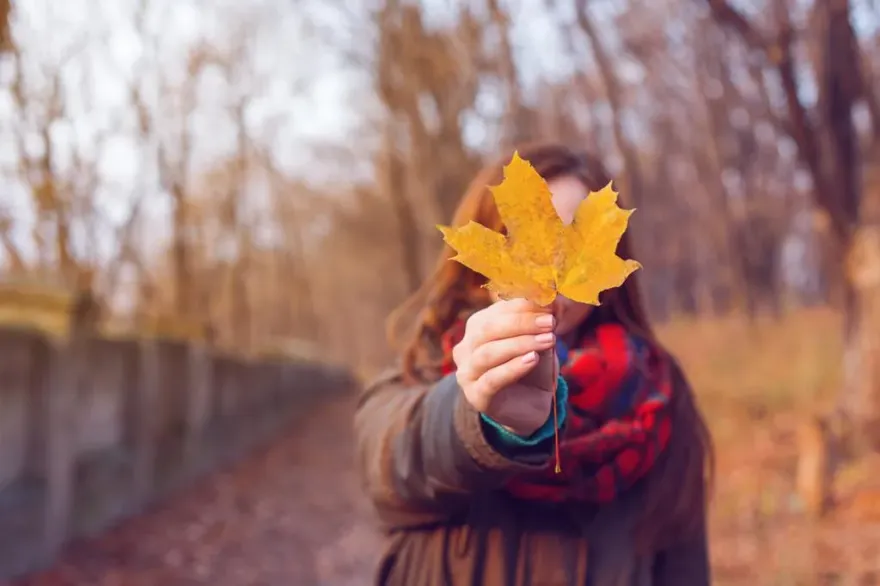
[(541, 256)]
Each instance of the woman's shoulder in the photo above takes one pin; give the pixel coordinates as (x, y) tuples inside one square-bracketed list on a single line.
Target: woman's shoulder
[(388, 376), (396, 377), (377, 389)]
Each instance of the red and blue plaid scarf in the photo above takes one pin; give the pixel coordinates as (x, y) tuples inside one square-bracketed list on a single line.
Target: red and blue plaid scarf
[(620, 389)]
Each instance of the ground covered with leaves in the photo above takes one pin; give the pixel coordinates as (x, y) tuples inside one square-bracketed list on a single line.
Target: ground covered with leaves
[(291, 514)]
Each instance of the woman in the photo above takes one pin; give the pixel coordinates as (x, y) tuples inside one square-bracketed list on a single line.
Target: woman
[(457, 447)]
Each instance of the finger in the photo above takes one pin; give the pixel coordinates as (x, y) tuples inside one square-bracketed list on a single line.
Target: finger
[(459, 354), (506, 374), (497, 352), (507, 307), (502, 326)]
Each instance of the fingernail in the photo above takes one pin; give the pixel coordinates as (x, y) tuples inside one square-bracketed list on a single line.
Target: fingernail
[(530, 357), (544, 321), (545, 338)]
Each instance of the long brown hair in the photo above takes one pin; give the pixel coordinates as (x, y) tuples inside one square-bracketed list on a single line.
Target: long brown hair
[(677, 490)]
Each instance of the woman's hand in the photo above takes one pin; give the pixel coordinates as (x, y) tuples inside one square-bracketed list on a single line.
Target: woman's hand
[(506, 364)]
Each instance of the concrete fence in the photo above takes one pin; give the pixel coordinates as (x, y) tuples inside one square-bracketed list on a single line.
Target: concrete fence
[(95, 429)]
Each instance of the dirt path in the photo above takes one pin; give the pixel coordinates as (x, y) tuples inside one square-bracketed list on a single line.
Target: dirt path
[(290, 515)]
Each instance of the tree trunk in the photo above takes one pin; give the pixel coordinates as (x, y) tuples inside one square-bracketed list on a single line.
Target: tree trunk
[(5, 32), (515, 131), (241, 319), (861, 394), (614, 92), (394, 175), (180, 254)]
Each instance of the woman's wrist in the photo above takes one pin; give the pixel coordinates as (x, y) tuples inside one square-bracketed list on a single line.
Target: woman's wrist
[(512, 437)]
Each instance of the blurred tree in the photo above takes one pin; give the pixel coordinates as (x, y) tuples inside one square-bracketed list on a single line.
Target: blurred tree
[(700, 131), (832, 151), (5, 27), (427, 78)]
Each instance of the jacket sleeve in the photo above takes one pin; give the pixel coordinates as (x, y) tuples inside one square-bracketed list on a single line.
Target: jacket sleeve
[(423, 451), (685, 563), (512, 444)]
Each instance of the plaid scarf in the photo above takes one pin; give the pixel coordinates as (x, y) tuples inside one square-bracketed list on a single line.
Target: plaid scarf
[(618, 416)]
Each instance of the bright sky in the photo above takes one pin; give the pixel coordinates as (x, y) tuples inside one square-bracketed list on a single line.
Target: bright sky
[(100, 54), (101, 50)]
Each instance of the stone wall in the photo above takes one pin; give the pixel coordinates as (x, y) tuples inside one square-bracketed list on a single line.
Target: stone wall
[(96, 429)]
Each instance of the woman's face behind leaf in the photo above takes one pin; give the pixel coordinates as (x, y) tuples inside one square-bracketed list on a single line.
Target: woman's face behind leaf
[(568, 192)]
